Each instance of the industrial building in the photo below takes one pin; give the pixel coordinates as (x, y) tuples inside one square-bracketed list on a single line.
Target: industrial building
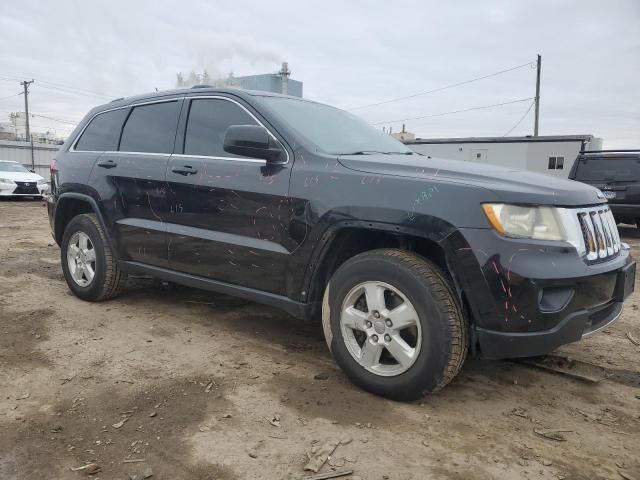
[(277, 82), (552, 154)]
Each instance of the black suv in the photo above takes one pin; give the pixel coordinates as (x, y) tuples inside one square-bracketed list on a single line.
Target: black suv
[(617, 174), (410, 261)]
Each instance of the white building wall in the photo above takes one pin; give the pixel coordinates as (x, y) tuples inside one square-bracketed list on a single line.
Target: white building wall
[(505, 154), (538, 155), (533, 156), (21, 152)]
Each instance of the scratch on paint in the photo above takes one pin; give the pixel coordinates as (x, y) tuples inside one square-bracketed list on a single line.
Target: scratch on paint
[(150, 207)]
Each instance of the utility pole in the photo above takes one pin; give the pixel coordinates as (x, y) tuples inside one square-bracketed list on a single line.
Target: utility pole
[(26, 84), (537, 118)]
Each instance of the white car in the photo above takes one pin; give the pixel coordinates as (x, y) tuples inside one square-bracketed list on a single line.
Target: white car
[(16, 180)]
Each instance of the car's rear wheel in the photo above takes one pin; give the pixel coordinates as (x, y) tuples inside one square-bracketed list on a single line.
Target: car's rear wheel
[(394, 324), (88, 262)]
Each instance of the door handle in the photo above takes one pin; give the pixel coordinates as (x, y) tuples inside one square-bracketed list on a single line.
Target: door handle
[(107, 164), (184, 170)]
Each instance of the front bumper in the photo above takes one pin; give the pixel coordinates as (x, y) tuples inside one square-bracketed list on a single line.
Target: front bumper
[(23, 189), (530, 298)]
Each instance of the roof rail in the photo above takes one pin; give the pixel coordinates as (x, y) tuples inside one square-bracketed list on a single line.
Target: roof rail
[(202, 86), (116, 99)]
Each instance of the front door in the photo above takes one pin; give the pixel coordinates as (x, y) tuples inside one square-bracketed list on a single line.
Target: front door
[(229, 215)]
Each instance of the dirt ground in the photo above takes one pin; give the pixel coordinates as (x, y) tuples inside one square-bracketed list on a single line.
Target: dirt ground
[(212, 387)]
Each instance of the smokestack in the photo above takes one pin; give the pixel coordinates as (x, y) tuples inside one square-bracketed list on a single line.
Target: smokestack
[(284, 76)]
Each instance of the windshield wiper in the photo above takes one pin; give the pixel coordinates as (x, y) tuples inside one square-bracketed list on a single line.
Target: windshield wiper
[(373, 152)]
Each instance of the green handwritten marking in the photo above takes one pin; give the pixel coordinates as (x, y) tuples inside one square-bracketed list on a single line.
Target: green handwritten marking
[(421, 198)]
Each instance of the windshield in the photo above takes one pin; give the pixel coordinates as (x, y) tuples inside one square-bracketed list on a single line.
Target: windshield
[(12, 167), (608, 169), (332, 130)]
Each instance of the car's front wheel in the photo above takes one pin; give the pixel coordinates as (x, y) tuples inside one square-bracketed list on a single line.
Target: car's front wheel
[(394, 324), (88, 262)]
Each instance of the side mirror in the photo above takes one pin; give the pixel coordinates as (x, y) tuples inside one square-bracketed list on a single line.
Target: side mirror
[(32, 171), (252, 141)]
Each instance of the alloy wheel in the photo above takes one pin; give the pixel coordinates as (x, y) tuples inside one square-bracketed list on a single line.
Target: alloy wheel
[(380, 328)]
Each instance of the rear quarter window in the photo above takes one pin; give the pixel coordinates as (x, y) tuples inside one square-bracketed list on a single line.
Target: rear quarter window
[(103, 132)]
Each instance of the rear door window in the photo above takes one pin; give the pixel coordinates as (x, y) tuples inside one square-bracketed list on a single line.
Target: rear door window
[(608, 169), (207, 124), (102, 133), (151, 128)]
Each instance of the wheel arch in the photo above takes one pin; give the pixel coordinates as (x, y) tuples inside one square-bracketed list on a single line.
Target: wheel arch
[(70, 205), (346, 239)]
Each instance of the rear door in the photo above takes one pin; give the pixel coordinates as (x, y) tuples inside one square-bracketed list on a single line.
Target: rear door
[(229, 216), (617, 176), (134, 177)]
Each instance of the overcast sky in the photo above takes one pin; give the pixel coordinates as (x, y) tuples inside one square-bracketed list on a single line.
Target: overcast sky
[(347, 53)]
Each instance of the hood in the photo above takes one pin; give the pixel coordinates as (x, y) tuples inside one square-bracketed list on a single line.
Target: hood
[(514, 186), (21, 176)]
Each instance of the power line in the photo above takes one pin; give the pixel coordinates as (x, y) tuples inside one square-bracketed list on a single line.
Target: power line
[(521, 119), (455, 111), (78, 92), (11, 96), (71, 122), (64, 88), (443, 88)]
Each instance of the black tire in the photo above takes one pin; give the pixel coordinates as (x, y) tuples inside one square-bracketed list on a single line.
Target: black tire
[(445, 334), (108, 280)]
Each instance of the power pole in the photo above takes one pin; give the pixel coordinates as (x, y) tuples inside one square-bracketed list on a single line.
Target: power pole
[(537, 118), (26, 84)]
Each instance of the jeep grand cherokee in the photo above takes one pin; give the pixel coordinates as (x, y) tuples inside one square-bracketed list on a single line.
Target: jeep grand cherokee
[(410, 261)]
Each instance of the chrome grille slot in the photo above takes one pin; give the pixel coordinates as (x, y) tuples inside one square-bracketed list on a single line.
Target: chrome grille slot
[(599, 232), (606, 228)]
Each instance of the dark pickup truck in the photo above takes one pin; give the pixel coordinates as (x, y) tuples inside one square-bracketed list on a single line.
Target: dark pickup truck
[(409, 261), (617, 174)]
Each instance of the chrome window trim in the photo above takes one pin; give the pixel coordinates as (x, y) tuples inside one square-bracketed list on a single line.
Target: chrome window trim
[(208, 157), (72, 149)]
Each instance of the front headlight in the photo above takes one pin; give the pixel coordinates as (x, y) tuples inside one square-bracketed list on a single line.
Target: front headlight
[(539, 223), (7, 180)]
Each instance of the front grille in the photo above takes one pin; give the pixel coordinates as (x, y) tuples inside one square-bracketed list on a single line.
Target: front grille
[(599, 231), (26, 188)]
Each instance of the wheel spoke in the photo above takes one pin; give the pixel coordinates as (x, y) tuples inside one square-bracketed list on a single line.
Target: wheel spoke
[(370, 354), (88, 272), (403, 316), (90, 255), (83, 241), (399, 350), (74, 250), (375, 297), (354, 318), (77, 273)]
